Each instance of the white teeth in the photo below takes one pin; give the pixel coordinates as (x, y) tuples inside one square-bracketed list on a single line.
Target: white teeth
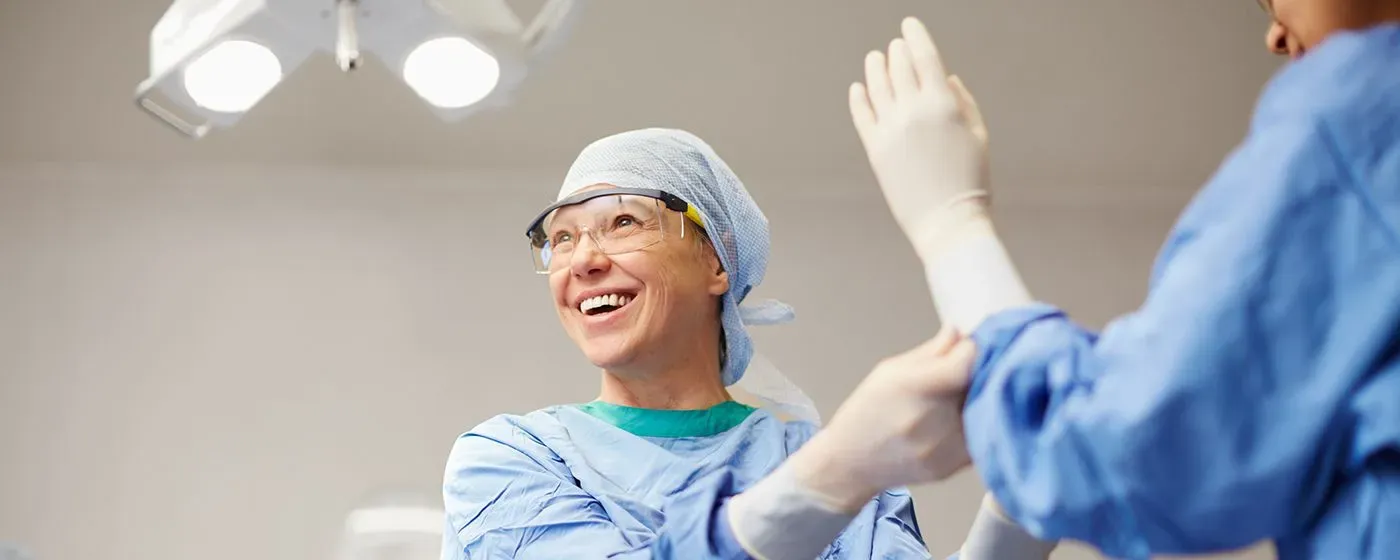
[(610, 300)]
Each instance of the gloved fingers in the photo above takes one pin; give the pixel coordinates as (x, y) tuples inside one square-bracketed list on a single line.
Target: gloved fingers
[(959, 359), (877, 83), (946, 338), (954, 371), (862, 114), (904, 82), (967, 105), (962, 353), (926, 60)]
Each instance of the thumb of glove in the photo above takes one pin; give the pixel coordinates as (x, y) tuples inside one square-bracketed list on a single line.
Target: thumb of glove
[(967, 105)]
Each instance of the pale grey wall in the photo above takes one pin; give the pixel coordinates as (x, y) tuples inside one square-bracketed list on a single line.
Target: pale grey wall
[(217, 363)]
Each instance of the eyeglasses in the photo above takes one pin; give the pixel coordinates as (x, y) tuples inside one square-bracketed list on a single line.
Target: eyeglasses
[(1267, 6), (616, 220)]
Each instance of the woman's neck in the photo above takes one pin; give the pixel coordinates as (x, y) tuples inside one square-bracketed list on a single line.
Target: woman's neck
[(1390, 13), (677, 388), (1379, 13)]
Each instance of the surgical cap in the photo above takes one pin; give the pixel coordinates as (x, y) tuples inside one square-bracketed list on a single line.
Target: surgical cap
[(680, 163)]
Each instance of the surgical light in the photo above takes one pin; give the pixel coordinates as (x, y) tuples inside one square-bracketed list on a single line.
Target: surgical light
[(232, 76), (451, 72), (211, 61)]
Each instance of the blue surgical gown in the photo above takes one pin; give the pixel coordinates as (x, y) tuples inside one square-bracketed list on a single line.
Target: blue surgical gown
[(1255, 395), (600, 481)]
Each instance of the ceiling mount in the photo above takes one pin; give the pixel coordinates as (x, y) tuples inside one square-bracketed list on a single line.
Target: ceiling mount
[(211, 61)]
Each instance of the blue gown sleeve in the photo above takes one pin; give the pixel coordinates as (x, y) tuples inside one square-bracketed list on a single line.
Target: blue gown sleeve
[(1210, 418), (504, 498)]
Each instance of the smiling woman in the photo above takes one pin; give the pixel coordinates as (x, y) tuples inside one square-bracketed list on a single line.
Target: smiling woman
[(603, 248), (650, 253)]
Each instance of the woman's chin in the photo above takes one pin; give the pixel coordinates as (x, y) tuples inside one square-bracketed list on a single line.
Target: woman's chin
[(609, 356)]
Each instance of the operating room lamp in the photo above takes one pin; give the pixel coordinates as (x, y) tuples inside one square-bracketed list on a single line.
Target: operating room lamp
[(213, 60)]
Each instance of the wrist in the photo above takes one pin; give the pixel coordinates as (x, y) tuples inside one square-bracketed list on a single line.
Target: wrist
[(832, 474), (991, 504), (961, 219), (995, 536), (971, 276), (779, 518)]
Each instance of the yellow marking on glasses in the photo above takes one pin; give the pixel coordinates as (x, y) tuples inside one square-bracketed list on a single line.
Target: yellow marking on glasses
[(694, 215)]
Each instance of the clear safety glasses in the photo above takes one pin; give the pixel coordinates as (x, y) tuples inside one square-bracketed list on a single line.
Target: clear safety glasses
[(615, 220)]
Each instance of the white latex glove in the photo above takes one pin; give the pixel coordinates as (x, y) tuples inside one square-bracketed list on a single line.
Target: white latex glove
[(901, 426), (994, 536), (927, 144), (925, 138)]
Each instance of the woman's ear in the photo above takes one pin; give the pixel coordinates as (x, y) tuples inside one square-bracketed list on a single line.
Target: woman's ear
[(720, 285), (719, 281), (709, 254)]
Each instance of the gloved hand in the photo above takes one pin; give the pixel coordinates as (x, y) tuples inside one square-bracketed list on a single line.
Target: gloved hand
[(928, 146), (902, 425), (926, 141)]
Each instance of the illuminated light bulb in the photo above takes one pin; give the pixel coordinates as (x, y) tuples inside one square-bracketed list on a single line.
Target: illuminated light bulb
[(451, 72), (232, 76)]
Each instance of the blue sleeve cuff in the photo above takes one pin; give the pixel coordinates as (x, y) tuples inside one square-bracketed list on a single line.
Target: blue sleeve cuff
[(997, 404), (996, 334)]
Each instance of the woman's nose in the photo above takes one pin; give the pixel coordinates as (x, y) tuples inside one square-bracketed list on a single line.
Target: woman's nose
[(587, 258)]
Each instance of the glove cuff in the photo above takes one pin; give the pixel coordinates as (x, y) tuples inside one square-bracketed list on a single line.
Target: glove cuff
[(995, 537), (780, 519), (973, 277)]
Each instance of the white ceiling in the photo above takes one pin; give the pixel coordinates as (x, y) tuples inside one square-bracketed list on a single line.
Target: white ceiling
[(1145, 93)]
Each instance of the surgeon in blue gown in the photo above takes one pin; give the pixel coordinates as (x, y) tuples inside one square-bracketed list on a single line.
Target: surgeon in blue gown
[(650, 253), (1255, 394)]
